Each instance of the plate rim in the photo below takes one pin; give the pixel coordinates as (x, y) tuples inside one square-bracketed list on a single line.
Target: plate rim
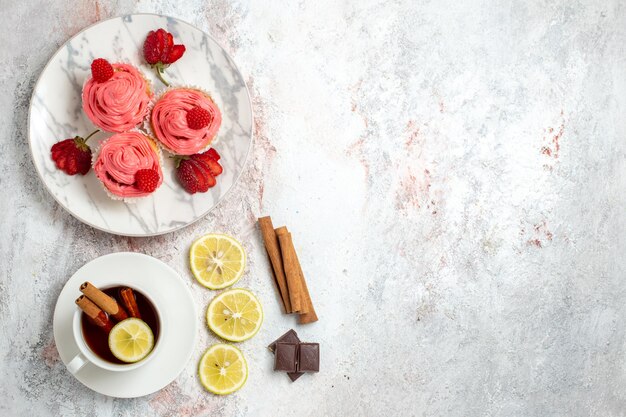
[(187, 290), (201, 216)]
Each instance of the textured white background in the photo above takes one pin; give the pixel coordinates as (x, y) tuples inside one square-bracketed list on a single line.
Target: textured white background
[(453, 174)]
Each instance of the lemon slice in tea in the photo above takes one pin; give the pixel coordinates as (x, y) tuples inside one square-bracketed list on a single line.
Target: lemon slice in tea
[(217, 261), (131, 340), (235, 315), (223, 369)]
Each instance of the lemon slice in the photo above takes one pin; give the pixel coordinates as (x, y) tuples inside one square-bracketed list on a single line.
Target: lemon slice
[(217, 261), (131, 340), (235, 315), (223, 369)]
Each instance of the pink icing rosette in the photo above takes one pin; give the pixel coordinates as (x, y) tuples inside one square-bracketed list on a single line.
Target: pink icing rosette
[(120, 103), (168, 121), (120, 157)]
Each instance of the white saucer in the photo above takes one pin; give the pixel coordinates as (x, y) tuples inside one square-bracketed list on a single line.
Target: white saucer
[(169, 292)]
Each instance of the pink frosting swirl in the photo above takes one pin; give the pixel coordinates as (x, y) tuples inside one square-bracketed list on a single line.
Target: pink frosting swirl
[(120, 157), (120, 103), (169, 121)]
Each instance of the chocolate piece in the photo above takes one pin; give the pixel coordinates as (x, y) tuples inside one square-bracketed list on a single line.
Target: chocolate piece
[(294, 375), (309, 357), (290, 337), (286, 358)]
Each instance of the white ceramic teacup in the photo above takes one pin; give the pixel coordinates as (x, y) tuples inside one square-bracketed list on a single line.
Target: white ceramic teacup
[(86, 355)]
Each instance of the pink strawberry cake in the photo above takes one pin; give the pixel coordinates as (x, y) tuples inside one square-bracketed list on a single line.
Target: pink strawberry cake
[(120, 102), (121, 157), (185, 120)]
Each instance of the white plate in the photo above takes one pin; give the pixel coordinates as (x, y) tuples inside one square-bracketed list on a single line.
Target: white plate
[(169, 292), (56, 114)]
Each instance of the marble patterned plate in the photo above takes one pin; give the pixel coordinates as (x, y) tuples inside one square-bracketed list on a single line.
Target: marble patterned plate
[(56, 114)]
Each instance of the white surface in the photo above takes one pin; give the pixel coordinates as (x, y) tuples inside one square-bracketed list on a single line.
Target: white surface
[(56, 114), (177, 331), (457, 269)]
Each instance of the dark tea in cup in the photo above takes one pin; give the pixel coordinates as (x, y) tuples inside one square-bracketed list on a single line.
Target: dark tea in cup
[(98, 340)]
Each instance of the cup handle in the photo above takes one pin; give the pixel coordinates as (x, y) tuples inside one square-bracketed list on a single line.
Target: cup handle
[(77, 363)]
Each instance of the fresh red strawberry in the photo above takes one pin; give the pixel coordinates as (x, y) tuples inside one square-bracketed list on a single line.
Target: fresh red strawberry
[(101, 70), (159, 51), (198, 118), (187, 177), (72, 156), (147, 180), (159, 48), (214, 167), (195, 172)]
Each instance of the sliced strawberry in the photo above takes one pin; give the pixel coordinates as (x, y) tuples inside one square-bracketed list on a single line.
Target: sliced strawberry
[(187, 177), (167, 40), (72, 156), (213, 154), (214, 167), (175, 54), (202, 174), (72, 166), (60, 148), (61, 162), (210, 179), (159, 51), (152, 48)]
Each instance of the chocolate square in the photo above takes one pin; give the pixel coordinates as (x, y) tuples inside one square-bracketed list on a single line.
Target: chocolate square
[(290, 337), (294, 375), (309, 357), (286, 357)]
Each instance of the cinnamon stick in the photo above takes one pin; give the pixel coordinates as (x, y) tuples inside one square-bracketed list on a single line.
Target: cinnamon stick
[(290, 265), (106, 303), (95, 314), (130, 302), (308, 315), (307, 311), (273, 252)]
